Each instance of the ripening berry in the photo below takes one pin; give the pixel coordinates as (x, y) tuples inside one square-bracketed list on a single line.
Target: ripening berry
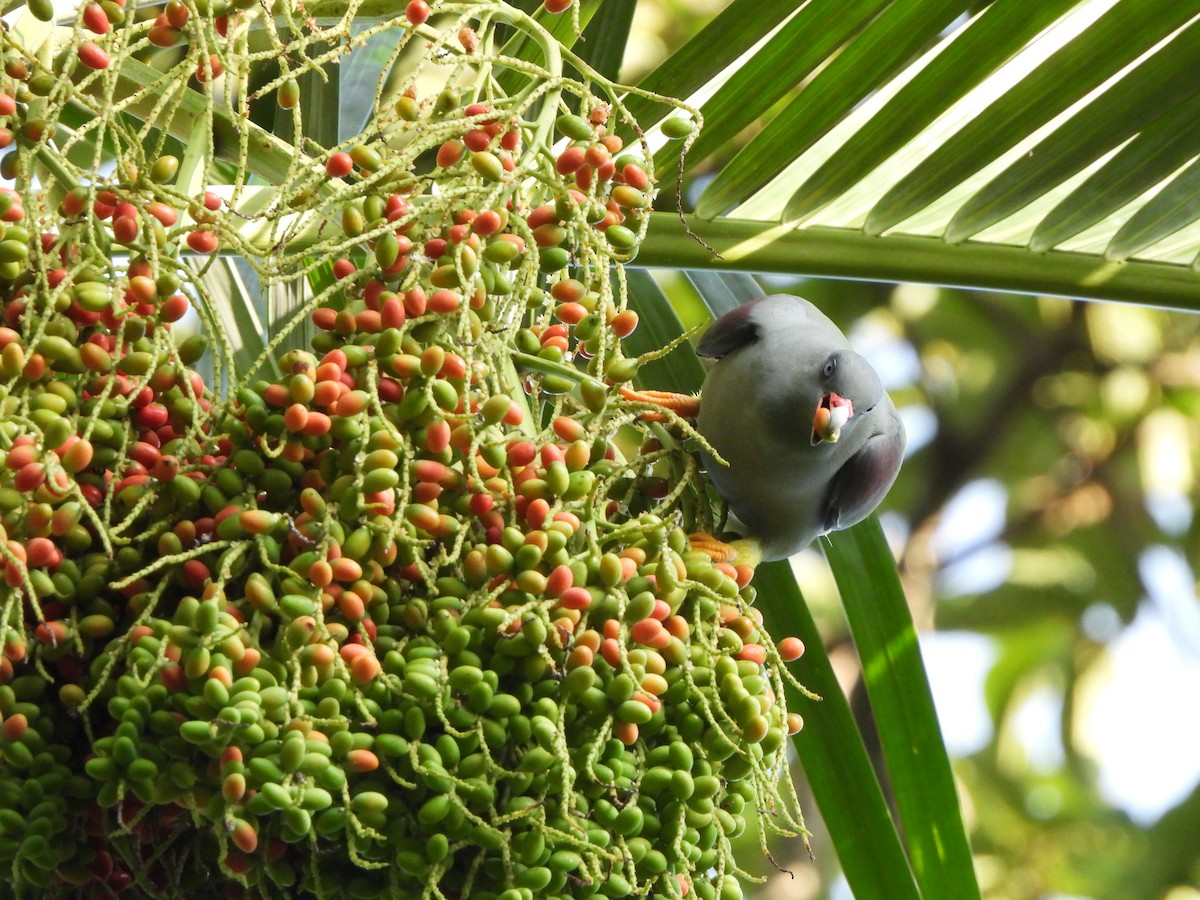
[(210, 70), (163, 35), (449, 153), (339, 165), (635, 176), (791, 648), (289, 94), (487, 223), (243, 835), (477, 140), (202, 241), (417, 12), (95, 19), (570, 160), (125, 229), (176, 12), (162, 212), (79, 455), (624, 323), (93, 56)]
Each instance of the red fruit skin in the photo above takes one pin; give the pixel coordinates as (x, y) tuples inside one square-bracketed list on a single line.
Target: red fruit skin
[(570, 160), (417, 12), (338, 165), (93, 56), (202, 241), (94, 19)]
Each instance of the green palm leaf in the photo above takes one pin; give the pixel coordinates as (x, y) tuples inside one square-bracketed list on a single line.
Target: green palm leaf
[(1024, 147)]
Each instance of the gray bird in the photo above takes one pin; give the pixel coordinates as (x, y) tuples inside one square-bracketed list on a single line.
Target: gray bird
[(812, 440)]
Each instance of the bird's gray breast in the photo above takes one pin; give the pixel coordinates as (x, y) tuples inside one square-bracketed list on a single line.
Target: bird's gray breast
[(766, 443)]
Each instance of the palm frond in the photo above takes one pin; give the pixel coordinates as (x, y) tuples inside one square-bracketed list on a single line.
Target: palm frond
[(1030, 147)]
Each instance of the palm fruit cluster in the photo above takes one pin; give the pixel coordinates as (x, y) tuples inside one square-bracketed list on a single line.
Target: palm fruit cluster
[(416, 616)]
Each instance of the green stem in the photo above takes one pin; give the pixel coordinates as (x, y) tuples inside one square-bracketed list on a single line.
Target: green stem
[(267, 156), (751, 246), (531, 363), (53, 163), (552, 52)]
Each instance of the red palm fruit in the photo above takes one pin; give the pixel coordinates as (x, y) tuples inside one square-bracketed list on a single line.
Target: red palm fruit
[(162, 34), (243, 835), (415, 302), (487, 223), (202, 240), (125, 229), (210, 70), (42, 553), (449, 153), (362, 761), (176, 13), (14, 727), (93, 56), (791, 648), (30, 477), (437, 436), (173, 308), (363, 669), (165, 214), (575, 598), (21, 456), (95, 19), (646, 630), (477, 140), (521, 453), (571, 160), (444, 301), (54, 633), (339, 164), (635, 176), (624, 323), (417, 12)]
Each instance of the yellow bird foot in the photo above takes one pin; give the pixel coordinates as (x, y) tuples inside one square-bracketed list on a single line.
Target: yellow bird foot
[(739, 558), (686, 406)]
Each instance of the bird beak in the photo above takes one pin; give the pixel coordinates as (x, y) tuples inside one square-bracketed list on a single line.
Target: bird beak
[(833, 412)]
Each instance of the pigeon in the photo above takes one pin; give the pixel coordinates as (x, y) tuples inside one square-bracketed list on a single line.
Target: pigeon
[(809, 440)]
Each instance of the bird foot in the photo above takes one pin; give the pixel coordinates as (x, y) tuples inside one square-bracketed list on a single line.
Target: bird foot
[(742, 556), (686, 406)]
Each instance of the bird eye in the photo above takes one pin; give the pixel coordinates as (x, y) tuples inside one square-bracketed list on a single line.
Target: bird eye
[(830, 365)]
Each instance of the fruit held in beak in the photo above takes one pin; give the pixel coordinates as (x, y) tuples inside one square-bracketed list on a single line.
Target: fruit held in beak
[(832, 414)]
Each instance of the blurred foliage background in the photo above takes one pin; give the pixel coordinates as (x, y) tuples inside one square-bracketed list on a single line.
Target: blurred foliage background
[(1045, 528)]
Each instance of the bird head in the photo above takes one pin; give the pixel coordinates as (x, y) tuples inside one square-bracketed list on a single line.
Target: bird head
[(846, 384)]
